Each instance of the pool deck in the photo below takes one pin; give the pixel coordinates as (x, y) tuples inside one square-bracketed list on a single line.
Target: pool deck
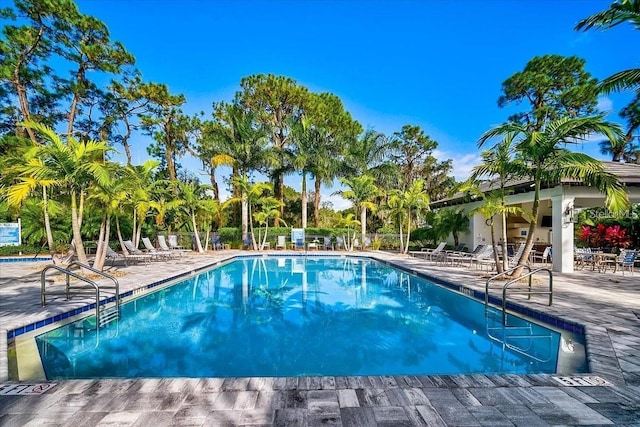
[(607, 304)]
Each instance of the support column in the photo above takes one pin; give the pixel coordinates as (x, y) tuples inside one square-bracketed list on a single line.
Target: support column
[(562, 234)]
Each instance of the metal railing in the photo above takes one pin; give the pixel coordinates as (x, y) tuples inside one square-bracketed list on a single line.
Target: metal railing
[(527, 291), (68, 274)]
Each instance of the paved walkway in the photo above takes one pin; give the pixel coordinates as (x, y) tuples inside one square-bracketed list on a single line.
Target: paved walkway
[(607, 304)]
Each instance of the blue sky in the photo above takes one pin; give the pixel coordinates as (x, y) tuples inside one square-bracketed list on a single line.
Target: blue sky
[(437, 64)]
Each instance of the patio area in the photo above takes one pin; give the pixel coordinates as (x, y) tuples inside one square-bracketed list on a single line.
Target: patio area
[(607, 304)]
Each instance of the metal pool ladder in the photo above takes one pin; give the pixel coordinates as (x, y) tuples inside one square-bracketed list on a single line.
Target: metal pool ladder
[(526, 291), (104, 315)]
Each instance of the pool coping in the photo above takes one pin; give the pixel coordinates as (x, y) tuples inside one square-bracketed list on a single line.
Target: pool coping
[(595, 364)]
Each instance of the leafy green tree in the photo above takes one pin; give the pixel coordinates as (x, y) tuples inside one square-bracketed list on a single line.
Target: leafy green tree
[(416, 201), (500, 165), (235, 138), (269, 208), (412, 151), (619, 12), (169, 127), (361, 192), (625, 149), (320, 138), (555, 86), (278, 102), (25, 50), (546, 160), (193, 196), (73, 167)]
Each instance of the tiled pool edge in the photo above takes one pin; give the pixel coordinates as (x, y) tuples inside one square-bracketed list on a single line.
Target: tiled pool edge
[(596, 364)]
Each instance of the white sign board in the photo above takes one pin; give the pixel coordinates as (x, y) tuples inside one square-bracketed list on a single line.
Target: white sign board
[(10, 234)]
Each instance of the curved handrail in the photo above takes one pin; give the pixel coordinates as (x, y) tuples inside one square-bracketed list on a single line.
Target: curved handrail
[(486, 287), (43, 297), (102, 273), (529, 292)]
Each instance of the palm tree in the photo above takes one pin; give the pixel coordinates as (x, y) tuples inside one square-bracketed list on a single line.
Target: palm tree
[(546, 159), (416, 200), (73, 166), (349, 221), (361, 193), (455, 221), (501, 165), (242, 144), (619, 12), (625, 149), (269, 208), (193, 196)]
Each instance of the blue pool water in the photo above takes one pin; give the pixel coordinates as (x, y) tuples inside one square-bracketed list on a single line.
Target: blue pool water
[(299, 317)]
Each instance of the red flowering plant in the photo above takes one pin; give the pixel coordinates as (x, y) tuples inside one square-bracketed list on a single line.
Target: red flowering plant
[(601, 235)]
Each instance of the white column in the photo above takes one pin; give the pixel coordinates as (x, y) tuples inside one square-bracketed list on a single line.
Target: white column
[(562, 234)]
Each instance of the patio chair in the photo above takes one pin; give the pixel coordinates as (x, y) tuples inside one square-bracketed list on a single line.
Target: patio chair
[(172, 240), (155, 252), (282, 242), (542, 257), (162, 242), (298, 244), (484, 257), (627, 259), (430, 254), (135, 255), (216, 243), (340, 243), (366, 243), (247, 243), (327, 243)]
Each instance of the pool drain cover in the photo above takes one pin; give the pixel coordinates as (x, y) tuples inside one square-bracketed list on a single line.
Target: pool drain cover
[(589, 381)]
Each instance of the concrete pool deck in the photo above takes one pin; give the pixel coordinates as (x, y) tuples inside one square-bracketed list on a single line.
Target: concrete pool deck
[(607, 304)]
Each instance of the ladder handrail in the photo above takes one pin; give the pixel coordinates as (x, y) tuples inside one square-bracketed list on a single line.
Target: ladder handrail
[(529, 292), (43, 298), (102, 273), (486, 287)]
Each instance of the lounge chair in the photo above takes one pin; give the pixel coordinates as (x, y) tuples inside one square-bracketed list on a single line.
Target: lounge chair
[(172, 240), (431, 254), (162, 242), (155, 252), (340, 243), (114, 256), (513, 260), (298, 244), (282, 242)]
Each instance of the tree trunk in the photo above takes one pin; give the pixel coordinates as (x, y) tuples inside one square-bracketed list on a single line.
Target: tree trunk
[(99, 244), (75, 226), (505, 258), (316, 203), (281, 184), (406, 249), (120, 239), (245, 215), (195, 233), (363, 224), (304, 200), (47, 225), (529, 242), (496, 258)]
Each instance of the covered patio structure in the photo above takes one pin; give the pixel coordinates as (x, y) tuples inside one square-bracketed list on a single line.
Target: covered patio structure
[(559, 205)]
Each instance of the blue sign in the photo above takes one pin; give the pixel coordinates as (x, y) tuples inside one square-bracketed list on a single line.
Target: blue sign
[(9, 233)]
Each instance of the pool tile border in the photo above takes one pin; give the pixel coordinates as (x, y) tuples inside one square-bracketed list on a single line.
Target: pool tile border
[(23, 259)]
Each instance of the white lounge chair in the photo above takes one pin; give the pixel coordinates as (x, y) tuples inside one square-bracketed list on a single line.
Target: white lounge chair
[(282, 243), (155, 252), (163, 245)]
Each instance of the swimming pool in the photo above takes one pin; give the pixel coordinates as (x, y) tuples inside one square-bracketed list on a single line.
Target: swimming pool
[(302, 316)]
